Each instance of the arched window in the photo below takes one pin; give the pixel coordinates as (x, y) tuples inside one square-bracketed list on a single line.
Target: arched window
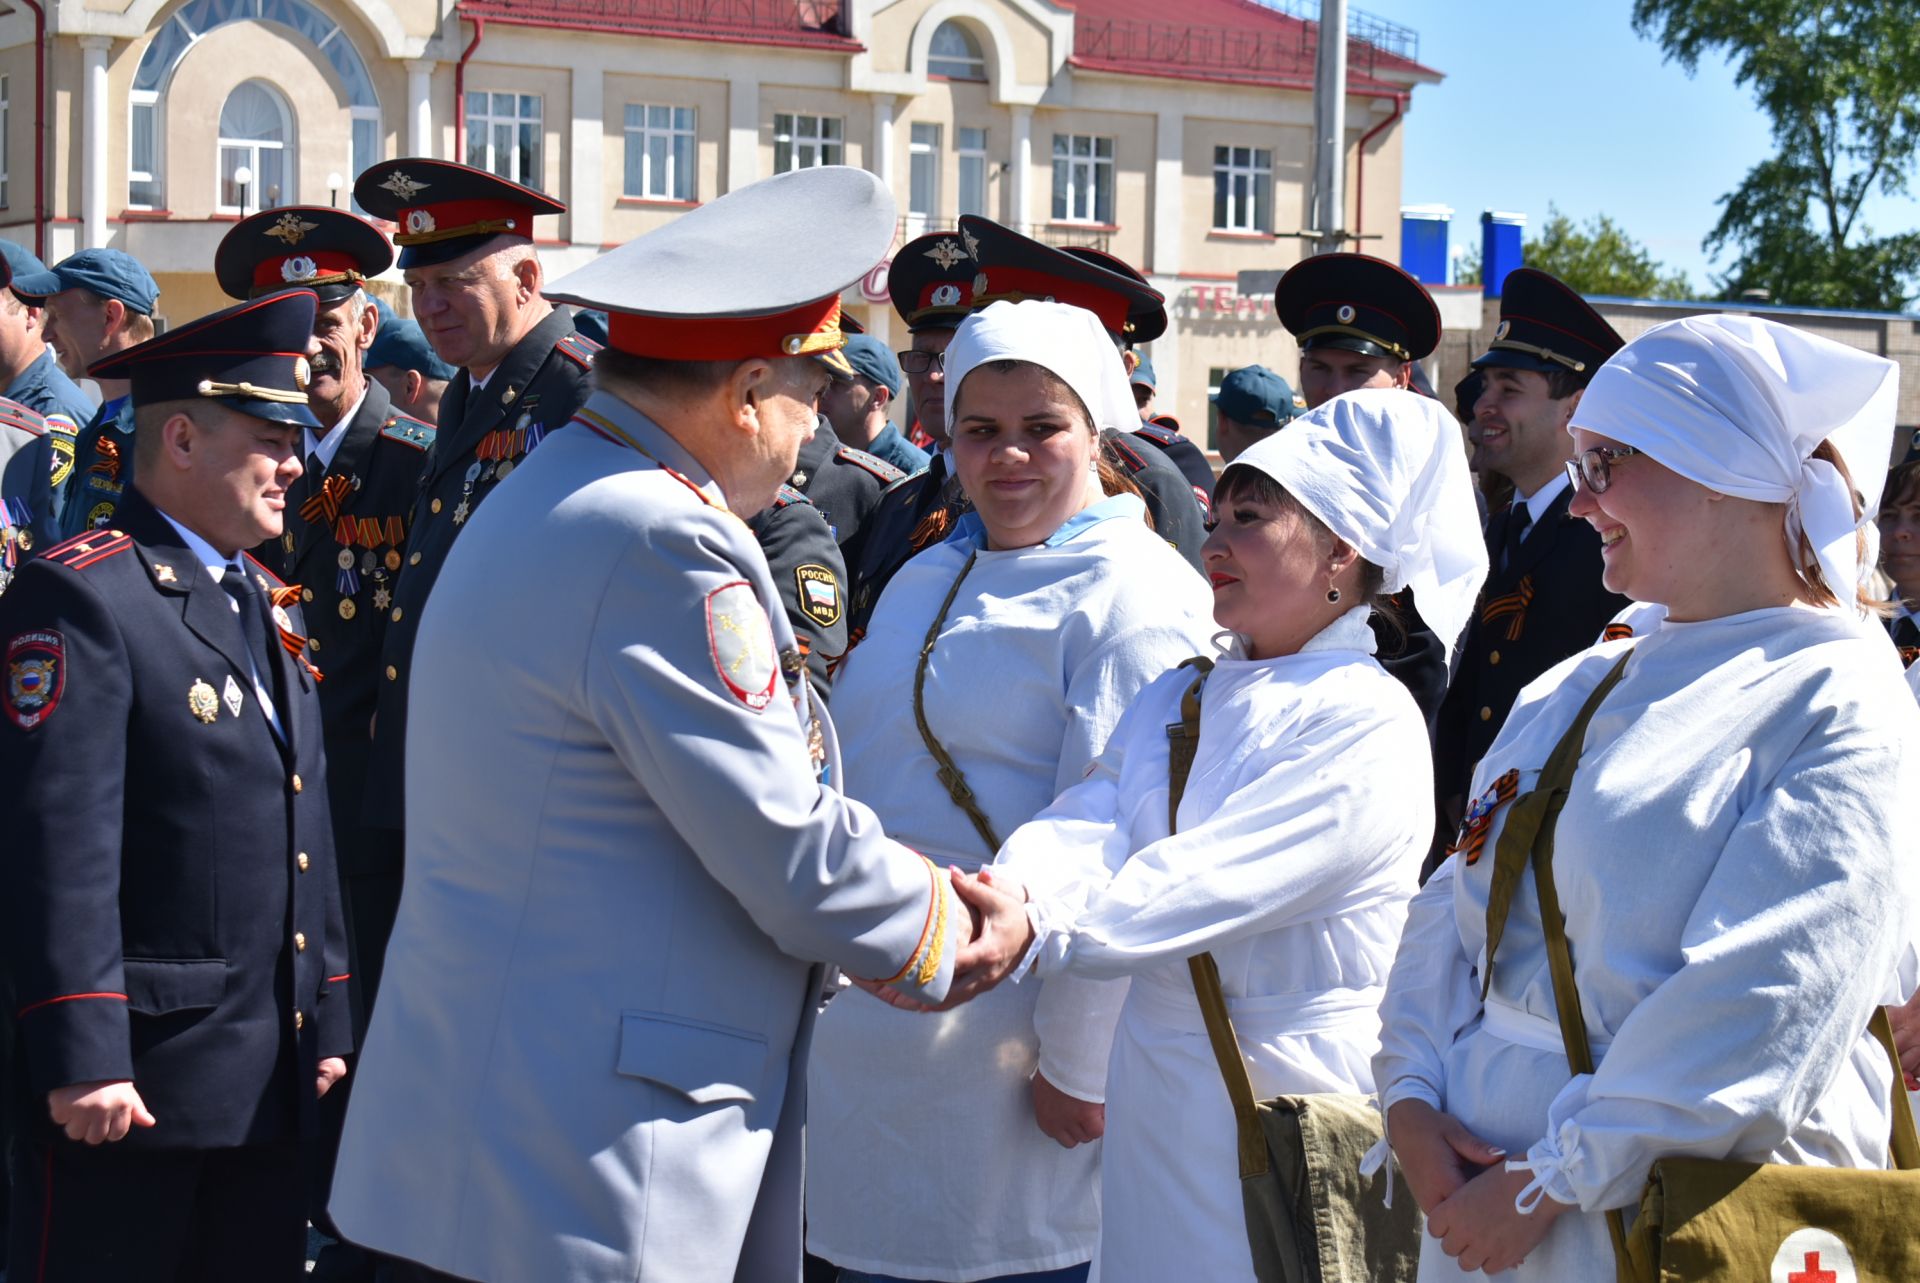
[(254, 134), (955, 54)]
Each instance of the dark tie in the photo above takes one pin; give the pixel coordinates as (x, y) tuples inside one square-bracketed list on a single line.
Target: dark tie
[(1519, 521), (253, 621), (1905, 635)]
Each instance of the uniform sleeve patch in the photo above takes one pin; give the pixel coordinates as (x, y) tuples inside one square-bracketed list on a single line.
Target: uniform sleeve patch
[(819, 594), (36, 675), (741, 639)]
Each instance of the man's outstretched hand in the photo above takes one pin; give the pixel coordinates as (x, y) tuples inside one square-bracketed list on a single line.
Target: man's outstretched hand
[(998, 937)]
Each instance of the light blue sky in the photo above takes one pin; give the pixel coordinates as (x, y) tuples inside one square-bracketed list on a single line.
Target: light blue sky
[(1560, 101)]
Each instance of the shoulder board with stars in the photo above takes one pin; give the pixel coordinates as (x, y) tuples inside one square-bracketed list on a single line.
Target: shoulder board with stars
[(789, 497), (873, 463), (15, 415), (577, 348), (88, 549), (1159, 432), (408, 430)]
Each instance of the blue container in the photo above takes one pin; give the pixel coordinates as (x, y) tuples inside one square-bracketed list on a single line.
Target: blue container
[(1500, 250), (1423, 242)]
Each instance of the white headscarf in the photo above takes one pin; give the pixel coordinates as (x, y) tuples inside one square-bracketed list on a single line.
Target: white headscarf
[(1386, 471), (1067, 340), (1737, 404)]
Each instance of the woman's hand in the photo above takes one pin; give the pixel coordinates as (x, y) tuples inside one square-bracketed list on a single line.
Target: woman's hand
[(1066, 1119), (1436, 1152), (1479, 1227), (1906, 1036)]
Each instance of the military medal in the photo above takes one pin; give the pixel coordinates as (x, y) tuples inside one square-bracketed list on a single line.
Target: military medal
[(460, 511), (347, 609), (202, 702), (232, 697), (1478, 822), (381, 598), (501, 470), (393, 559)]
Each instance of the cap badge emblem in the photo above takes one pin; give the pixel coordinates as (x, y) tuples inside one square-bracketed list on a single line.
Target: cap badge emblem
[(302, 373), (299, 268), (1501, 330), (973, 245), (946, 296), (418, 221), (402, 186), (202, 702), (291, 228), (946, 252), (1346, 314)]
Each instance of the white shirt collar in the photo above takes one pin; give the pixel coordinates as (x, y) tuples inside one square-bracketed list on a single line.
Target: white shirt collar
[(1540, 500), (200, 548), (328, 446), (478, 384)]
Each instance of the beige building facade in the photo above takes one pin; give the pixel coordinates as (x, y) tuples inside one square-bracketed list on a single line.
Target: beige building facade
[(1179, 138)]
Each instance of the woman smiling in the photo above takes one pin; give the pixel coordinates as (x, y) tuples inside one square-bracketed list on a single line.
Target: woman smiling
[(993, 670)]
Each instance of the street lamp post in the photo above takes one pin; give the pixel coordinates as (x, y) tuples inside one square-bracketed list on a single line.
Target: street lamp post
[(244, 177), (334, 184)]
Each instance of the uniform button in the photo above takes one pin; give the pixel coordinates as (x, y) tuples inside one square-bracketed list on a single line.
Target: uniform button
[(393, 674), (436, 505), (306, 594), (1486, 715), (396, 614), (299, 1019), (297, 785), (1493, 657), (414, 560), (301, 861), (299, 942), (313, 643)]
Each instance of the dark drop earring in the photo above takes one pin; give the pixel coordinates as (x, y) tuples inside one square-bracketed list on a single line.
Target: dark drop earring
[(1333, 595)]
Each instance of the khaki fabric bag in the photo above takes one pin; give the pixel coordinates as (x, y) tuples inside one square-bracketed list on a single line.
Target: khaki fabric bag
[(1710, 1220), (1311, 1217)]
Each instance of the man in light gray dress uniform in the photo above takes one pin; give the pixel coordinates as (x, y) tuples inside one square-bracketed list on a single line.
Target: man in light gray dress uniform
[(623, 871)]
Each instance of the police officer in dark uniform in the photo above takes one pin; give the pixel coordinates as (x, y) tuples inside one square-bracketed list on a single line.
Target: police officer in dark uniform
[(1164, 431), (523, 371), (930, 283), (172, 924), (1361, 322), (1016, 267), (107, 298), (844, 484), (1543, 599)]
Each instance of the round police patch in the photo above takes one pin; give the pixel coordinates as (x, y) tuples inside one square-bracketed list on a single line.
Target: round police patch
[(36, 675), (741, 639)]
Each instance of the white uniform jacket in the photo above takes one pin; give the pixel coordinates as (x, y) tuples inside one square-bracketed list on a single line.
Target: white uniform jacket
[(591, 1036)]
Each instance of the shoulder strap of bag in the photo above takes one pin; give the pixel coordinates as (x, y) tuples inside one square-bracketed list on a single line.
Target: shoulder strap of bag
[(950, 773), (1183, 738)]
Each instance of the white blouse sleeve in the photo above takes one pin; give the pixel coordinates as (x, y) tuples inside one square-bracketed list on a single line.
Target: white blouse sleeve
[(1294, 840), (1431, 996), (1785, 956)]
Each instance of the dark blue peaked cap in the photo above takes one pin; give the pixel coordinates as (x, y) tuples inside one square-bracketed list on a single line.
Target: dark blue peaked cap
[(251, 358)]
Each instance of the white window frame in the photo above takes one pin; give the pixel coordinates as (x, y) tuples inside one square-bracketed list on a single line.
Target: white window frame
[(137, 99), (808, 151), (1089, 178), (673, 185), (362, 164), (533, 175), (289, 160), (969, 154), (923, 162), (946, 66), (1254, 167)]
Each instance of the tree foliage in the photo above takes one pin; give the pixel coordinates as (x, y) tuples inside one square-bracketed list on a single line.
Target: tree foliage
[(1597, 258), (1840, 81)]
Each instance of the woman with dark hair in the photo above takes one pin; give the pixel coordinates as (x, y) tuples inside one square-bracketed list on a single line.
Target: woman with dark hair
[(992, 672), (1734, 859), (1300, 830)]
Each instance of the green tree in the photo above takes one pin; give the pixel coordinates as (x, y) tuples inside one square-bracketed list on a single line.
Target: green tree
[(1837, 79), (1598, 258)]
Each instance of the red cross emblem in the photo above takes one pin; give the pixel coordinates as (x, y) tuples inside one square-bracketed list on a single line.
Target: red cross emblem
[(1813, 1273)]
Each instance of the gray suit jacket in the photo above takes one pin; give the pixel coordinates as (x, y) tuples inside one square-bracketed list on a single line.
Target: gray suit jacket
[(587, 1057)]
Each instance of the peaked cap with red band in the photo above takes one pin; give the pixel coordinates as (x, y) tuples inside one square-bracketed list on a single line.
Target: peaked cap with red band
[(1016, 268), (1359, 303), (930, 282), (731, 280), (328, 251), (444, 210)]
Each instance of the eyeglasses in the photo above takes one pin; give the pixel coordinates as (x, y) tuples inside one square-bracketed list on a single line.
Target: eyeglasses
[(914, 361), (1594, 468)]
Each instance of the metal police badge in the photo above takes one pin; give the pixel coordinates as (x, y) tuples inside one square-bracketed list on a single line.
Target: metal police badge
[(1346, 314), (232, 697), (741, 639), (299, 268), (291, 228), (819, 594), (202, 702), (36, 675)]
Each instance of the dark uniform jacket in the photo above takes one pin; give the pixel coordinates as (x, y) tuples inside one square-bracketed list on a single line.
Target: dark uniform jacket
[(1184, 455), (358, 513), (843, 483), (170, 908), (1546, 605), (102, 469), (811, 576), (481, 438), (26, 487), (1176, 513), (912, 513)]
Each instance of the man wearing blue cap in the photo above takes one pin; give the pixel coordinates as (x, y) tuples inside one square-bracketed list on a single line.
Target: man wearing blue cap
[(95, 304), (31, 374), (858, 405), (1252, 404), (404, 363), (172, 924)]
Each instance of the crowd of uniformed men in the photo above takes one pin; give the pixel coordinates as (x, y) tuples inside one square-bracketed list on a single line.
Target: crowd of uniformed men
[(261, 504)]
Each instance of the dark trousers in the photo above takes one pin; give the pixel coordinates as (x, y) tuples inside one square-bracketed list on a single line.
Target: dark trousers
[(108, 1214)]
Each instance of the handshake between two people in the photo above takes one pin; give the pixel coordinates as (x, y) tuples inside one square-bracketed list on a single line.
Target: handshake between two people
[(999, 935)]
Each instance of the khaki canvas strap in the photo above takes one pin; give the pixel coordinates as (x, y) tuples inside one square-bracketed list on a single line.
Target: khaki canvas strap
[(950, 773), (1183, 739)]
